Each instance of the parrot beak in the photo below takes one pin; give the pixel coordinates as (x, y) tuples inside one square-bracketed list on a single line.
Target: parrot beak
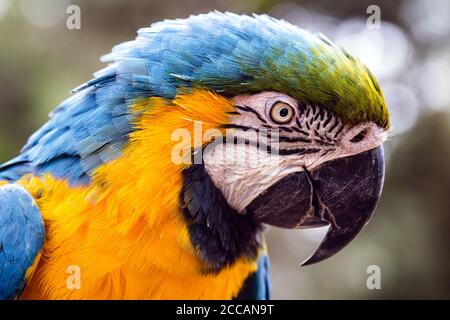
[(341, 193)]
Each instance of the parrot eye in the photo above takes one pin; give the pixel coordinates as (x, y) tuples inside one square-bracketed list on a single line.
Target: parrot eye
[(281, 113)]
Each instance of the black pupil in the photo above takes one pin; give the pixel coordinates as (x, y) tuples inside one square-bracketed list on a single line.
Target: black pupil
[(284, 112)]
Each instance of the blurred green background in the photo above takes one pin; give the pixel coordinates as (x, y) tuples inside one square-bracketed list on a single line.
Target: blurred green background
[(408, 238)]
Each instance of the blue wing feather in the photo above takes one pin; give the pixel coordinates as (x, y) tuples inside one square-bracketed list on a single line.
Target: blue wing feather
[(21, 238), (257, 286), (85, 131)]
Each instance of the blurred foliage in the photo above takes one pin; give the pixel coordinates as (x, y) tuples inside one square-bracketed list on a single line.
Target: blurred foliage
[(408, 236)]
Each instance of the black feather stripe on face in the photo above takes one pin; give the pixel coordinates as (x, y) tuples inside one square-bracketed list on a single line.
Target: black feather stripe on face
[(219, 234), (313, 129)]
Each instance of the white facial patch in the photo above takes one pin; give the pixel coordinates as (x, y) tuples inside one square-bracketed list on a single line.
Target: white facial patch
[(245, 172), (242, 171)]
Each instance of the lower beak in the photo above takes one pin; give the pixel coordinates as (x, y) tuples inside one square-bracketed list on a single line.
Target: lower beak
[(341, 193)]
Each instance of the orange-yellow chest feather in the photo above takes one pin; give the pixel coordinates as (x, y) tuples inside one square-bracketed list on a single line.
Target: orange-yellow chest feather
[(123, 236)]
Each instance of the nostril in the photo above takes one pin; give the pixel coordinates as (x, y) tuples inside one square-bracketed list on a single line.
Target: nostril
[(359, 137)]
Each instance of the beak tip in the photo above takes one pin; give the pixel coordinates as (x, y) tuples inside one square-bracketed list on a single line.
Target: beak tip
[(306, 263), (313, 259)]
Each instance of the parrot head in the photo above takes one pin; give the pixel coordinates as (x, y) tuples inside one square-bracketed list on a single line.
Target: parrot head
[(321, 170), (304, 124)]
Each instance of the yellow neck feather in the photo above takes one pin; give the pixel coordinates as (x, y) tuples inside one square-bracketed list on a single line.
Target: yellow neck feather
[(125, 231)]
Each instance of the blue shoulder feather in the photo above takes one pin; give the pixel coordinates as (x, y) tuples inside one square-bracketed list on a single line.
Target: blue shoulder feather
[(21, 238)]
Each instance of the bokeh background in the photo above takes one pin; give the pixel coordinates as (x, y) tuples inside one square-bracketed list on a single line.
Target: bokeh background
[(409, 236)]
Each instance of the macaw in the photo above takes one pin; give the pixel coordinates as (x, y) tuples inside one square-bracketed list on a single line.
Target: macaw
[(118, 195)]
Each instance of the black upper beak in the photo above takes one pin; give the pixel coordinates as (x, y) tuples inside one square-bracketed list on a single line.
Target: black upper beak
[(341, 193)]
